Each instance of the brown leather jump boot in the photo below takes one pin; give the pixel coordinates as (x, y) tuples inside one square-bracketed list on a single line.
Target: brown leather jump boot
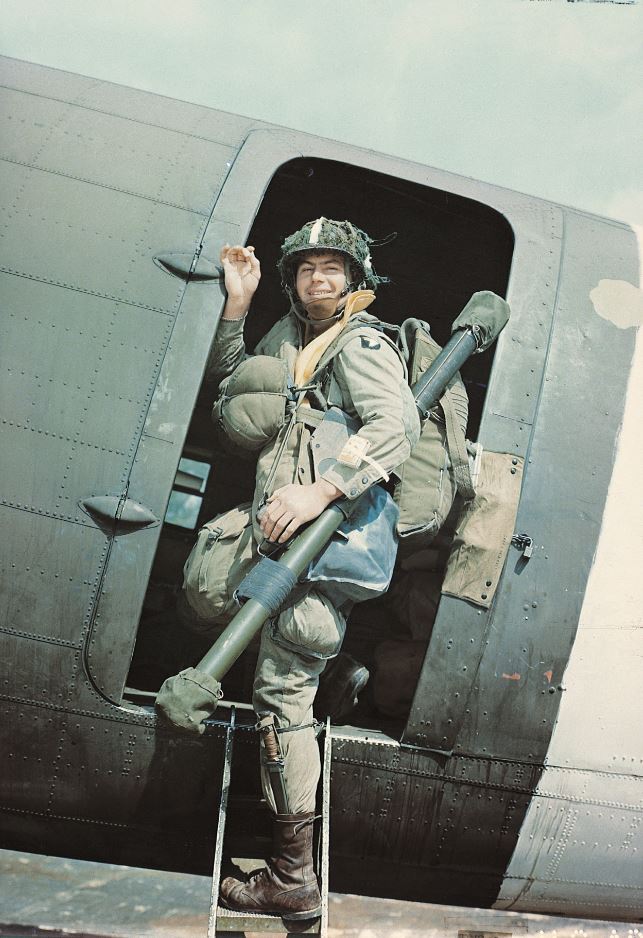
[(288, 885)]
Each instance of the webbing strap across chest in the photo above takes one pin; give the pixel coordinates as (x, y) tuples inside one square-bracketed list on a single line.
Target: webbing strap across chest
[(310, 356), (305, 366)]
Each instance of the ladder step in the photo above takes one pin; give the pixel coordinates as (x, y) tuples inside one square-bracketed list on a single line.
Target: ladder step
[(228, 921)]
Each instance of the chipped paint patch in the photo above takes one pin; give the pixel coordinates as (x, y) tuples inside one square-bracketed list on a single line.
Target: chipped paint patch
[(548, 675), (512, 677), (619, 302)]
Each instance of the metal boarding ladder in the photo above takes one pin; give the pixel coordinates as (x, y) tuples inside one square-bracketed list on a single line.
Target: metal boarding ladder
[(223, 923)]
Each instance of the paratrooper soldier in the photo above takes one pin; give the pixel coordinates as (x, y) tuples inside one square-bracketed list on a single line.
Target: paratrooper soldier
[(328, 277)]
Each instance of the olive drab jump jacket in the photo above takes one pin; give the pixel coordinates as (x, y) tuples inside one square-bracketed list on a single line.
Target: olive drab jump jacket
[(368, 381)]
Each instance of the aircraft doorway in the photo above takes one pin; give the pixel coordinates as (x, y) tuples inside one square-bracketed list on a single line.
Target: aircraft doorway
[(442, 248)]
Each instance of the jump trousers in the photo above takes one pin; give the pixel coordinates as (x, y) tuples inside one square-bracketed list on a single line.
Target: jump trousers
[(294, 648), (293, 653)]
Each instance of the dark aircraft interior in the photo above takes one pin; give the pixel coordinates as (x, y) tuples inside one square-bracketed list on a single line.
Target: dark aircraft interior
[(444, 248)]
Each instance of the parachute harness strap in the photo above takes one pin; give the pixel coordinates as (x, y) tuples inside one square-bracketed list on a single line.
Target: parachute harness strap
[(286, 430)]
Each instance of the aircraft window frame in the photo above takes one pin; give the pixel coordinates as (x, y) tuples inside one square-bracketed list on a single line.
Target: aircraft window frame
[(184, 505)]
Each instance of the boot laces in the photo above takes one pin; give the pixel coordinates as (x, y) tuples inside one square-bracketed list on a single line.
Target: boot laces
[(255, 874)]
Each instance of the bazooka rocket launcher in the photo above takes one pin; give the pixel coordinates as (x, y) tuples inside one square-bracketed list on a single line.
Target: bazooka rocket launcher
[(190, 697)]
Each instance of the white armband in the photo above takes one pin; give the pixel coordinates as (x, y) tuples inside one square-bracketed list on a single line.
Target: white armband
[(354, 453)]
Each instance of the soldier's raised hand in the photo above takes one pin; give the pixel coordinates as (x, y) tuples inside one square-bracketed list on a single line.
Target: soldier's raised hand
[(242, 273)]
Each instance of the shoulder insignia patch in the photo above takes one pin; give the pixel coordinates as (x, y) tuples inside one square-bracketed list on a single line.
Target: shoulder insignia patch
[(370, 343)]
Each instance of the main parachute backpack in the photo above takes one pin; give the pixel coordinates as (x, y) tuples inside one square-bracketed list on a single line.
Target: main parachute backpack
[(438, 467)]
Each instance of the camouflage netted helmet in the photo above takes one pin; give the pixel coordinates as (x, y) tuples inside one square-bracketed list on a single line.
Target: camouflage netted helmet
[(324, 234)]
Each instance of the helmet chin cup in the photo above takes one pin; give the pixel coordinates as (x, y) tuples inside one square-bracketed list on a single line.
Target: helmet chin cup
[(301, 310), (301, 313)]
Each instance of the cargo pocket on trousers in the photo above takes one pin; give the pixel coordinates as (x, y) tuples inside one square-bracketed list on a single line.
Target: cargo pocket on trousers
[(221, 557), (313, 628)]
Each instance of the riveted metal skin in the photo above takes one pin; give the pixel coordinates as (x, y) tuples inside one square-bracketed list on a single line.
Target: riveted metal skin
[(491, 681), (470, 652), (104, 352), (87, 331), (428, 820)]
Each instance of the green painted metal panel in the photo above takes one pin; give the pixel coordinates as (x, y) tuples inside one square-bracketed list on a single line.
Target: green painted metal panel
[(48, 576)]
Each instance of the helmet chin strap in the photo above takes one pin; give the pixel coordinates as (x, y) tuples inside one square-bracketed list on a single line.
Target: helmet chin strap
[(300, 312)]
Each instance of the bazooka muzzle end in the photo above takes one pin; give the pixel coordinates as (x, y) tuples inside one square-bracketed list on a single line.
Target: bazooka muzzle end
[(187, 699)]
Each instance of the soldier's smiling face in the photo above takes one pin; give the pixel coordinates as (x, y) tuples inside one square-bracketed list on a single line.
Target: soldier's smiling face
[(320, 280)]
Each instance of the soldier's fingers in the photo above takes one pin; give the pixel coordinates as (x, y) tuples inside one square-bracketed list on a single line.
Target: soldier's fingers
[(289, 530), (238, 253), (263, 516), (280, 527), (281, 519), (280, 508), (273, 507), (267, 527), (271, 512), (271, 519), (279, 503), (252, 256)]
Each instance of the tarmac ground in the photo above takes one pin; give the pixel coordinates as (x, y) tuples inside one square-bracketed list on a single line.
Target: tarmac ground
[(50, 897)]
